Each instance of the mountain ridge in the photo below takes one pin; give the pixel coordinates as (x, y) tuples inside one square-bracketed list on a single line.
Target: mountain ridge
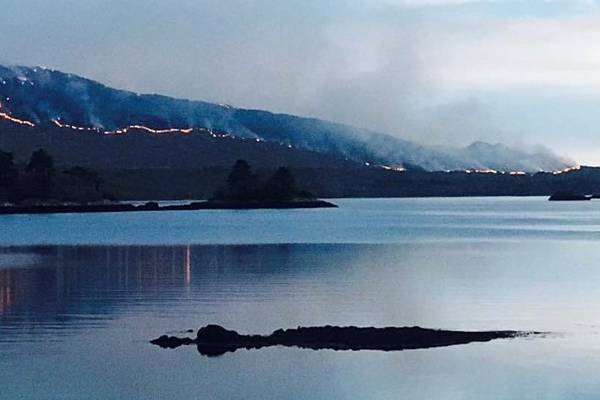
[(47, 97)]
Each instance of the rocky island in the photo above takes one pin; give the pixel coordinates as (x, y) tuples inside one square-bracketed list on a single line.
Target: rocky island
[(569, 196), (214, 340)]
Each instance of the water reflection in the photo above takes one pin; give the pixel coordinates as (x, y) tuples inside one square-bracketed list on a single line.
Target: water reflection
[(74, 318), (74, 314), (5, 293), (256, 288), (65, 289), (70, 272), (78, 287)]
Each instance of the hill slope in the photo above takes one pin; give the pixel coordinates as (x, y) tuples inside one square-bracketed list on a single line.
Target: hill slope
[(45, 98)]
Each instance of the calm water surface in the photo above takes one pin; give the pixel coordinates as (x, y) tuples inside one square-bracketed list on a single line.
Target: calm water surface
[(81, 295)]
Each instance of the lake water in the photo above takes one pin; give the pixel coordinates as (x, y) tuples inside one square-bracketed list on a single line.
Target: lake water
[(81, 296)]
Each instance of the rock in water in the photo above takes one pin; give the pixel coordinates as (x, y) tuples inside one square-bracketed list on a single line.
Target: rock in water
[(214, 340)]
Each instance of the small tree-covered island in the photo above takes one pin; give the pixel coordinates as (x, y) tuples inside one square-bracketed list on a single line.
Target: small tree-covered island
[(40, 187), (244, 189)]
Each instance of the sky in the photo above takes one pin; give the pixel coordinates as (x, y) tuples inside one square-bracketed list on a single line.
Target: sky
[(442, 72)]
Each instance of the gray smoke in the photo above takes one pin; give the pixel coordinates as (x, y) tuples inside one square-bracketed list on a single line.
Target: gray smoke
[(378, 64)]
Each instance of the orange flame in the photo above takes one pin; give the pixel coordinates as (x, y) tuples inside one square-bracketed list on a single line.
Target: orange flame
[(123, 130), (10, 118)]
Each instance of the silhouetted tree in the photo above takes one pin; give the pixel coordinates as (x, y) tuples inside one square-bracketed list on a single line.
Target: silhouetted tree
[(244, 185), (281, 186), (8, 177), (242, 182), (87, 184), (41, 173), (85, 177)]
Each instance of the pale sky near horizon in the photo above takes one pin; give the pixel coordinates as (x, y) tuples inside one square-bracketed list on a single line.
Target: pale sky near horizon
[(449, 72)]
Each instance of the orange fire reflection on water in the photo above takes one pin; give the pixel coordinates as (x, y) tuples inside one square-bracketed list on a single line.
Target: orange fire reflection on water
[(188, 266), (6, 297)]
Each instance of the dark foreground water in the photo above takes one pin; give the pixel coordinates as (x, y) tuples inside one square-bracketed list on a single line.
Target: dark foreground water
[(81, 295)]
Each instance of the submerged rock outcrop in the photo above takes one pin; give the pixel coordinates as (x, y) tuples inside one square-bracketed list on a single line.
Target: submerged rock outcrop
[(214, 340)]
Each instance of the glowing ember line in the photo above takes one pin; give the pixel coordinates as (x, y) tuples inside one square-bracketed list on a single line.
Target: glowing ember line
[(7, 117), (564, 171), (123, 130), (76, 128), (151, 130), (393, 168), (482, 171), (15, 120)]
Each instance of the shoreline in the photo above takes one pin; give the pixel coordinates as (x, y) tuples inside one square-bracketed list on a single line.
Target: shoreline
[(154, 206)]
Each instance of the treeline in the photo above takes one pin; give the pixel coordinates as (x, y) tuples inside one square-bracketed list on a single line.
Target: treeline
[(244, 185), (202, 183), (41, 180)]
